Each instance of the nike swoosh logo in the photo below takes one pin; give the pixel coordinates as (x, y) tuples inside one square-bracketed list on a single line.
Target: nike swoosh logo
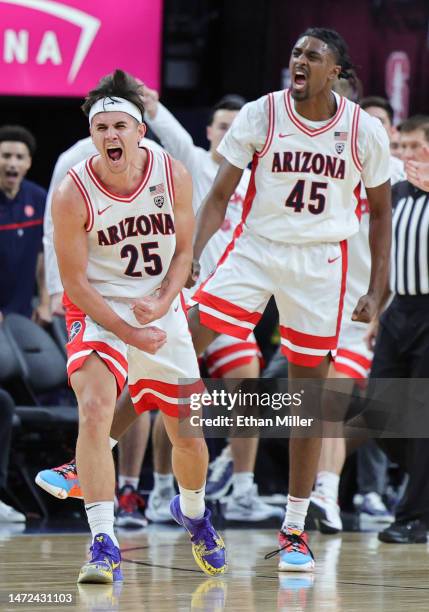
[(91, 507), (115, 565), (284, 135), (100, 212), (334, 259)]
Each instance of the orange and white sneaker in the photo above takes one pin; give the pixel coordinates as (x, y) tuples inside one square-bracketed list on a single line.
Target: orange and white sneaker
[(295, 554), (61, 482)]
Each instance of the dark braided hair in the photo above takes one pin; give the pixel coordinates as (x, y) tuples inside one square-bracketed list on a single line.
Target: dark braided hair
[(337, 45)]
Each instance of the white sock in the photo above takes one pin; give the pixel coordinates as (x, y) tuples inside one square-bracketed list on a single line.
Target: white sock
[(328, 483), (192, 502), (112, 443), (296, 511), (100, 518), (128, 480), (242, 482), (162, 481)]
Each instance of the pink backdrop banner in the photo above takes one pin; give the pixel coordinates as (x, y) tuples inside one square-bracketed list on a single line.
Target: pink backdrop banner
[(62, 48)]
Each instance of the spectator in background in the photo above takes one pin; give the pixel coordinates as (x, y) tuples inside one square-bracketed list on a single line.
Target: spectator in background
[(382, 109), (22, 205)]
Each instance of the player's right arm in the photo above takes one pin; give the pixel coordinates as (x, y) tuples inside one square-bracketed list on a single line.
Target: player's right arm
[(69, 217)]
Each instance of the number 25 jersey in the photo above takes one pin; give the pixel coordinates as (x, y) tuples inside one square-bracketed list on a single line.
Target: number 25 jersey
[(304, 186), (131, 239)]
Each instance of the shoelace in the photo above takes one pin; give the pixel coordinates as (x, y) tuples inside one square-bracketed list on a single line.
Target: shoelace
[(206, 532), (66, 469), (294, 541), (99, 548)]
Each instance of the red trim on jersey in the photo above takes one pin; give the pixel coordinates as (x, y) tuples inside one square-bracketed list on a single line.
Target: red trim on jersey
[(355, 128), (150, 401), (12, 226), (183, 304), (364, 362), (308, 340), (77, 344), (169, 175), (126, 199), (228, 308), (344, 266), (300, 359), (230, 350), (271, 122), (226, 368), (224, 327), (351, 373), (85, 195), (78, 363), (218, 371), (304, 128), (357, 193)]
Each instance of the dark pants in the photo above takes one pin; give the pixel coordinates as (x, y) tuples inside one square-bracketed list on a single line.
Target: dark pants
[(402, 351), (6, 417)]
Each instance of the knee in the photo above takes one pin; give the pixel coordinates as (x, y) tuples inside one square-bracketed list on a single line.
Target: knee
[(195, 446), (95, 413)]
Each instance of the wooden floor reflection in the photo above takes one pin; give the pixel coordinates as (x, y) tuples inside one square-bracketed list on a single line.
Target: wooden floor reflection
[(354, 572)]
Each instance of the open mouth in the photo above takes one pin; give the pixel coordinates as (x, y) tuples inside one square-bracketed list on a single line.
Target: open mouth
[(115, 153), (300, 80), (11, 174)]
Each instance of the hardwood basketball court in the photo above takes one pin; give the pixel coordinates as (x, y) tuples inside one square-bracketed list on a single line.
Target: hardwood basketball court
[(355, 572)]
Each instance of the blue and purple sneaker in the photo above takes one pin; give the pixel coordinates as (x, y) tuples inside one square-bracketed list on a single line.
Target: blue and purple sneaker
[(208, 547), (105, 564)]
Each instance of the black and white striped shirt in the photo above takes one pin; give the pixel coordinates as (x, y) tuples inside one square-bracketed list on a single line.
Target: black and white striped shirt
[(409, 270)]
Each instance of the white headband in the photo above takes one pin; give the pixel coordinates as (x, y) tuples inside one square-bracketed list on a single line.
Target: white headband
[(106, 105)]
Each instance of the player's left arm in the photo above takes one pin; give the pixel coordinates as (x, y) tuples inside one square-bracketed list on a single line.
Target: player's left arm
[(152, 308), (376, 177)]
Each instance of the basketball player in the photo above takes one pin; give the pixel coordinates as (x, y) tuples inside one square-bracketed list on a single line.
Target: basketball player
[(353, 359), (309, 150), (132, 446), (124, 312)]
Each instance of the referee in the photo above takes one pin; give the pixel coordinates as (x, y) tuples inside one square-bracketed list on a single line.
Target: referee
[(402, 347)]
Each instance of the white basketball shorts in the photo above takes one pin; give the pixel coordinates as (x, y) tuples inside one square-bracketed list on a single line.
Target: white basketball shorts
[(164, 380), (308, 282)]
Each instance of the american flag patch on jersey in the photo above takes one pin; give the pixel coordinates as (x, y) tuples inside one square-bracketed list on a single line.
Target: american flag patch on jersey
[(156, 189), (340, 135)]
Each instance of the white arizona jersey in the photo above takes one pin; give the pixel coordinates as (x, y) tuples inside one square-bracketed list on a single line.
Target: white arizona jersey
[(82, 149), (359, 254), (305, 175), (131, 238)]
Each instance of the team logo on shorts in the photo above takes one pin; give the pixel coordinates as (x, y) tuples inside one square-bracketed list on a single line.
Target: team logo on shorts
[(159, 201), (339, 147), (75, 328)]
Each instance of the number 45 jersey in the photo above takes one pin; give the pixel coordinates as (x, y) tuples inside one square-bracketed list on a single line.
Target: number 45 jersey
[(305, 178), (131, 238)]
